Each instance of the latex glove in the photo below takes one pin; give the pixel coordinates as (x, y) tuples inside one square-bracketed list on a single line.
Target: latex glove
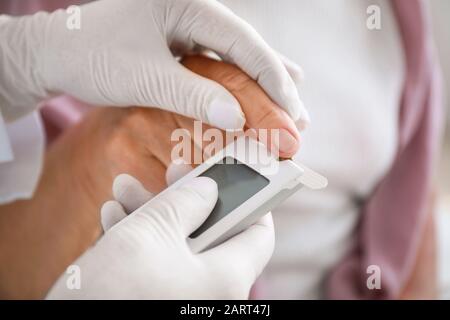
[(124, 55), (145, 256), (130, 194)]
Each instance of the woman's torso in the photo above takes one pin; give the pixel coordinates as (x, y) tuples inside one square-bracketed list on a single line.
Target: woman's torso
[(352, 88)]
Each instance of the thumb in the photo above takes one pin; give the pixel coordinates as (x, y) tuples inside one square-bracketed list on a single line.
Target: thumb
[(184, 208), (202, 99), (130, 192), (110, 214), (248, 252)]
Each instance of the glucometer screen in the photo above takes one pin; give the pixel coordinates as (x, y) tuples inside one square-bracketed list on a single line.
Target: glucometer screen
[(236, 183)]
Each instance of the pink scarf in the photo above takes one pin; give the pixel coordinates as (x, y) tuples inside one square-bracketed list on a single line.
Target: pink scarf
[(393, 217)]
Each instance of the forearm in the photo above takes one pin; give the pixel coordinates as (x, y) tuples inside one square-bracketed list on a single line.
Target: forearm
[(40, 237), (25, 244)]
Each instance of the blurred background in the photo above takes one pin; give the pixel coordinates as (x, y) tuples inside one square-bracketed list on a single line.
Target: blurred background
[(440, 12)]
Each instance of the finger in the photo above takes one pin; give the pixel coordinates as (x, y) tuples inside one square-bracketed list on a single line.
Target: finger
[(248, 252), (202, 99), (176, 171), (298, 76), (186, 207), (295, 71), (266, 116), (154, 182), (130, 192), (237, 42), (111, 213)]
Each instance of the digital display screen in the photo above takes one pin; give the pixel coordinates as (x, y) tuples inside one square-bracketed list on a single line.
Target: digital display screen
[(236, 183)]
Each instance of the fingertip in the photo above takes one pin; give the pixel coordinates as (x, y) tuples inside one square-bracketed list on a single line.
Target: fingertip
[(194, 201), (284, 93), (130, 192), (305, 119), (122, 183), (294, 70), (108, 205), (205, 187), (176, 171), (267, 220), (293, 106), (297, 74), (225, 113), (288, 144), (111, 213)]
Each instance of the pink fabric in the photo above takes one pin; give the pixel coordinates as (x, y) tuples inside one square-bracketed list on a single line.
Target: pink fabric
[(21, 7), (393, 217), (63, 111)]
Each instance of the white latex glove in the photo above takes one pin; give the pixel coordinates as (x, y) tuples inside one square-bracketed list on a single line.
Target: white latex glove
[(145, 255), (124, 55)]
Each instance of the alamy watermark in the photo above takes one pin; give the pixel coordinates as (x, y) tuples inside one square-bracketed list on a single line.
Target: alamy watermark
[(373, 21), (199, 146), (73, 21), (73, 280), (374, 279)]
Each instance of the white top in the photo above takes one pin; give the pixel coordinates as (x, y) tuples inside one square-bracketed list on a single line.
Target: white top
[(353, 81), (22, 158)]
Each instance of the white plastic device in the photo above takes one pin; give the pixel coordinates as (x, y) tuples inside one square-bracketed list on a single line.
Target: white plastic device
[(251, 182)]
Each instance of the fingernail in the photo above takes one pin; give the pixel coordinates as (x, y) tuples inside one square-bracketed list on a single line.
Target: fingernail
[(225, 113), (286, 143), (204, 186)]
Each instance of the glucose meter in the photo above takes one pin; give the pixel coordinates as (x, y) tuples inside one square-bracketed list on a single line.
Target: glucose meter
[(251, 182)]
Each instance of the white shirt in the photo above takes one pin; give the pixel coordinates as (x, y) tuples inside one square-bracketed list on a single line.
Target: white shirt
[(22, 145), (352, 87)]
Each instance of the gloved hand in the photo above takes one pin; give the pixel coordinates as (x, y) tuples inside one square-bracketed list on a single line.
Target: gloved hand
[(124, 55), (145, 255)]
